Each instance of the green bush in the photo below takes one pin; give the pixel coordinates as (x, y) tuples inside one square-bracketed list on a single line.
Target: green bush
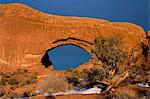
[(110, 51), (76, 73)]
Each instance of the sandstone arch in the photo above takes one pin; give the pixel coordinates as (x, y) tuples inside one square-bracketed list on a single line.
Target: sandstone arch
[(26, 34)]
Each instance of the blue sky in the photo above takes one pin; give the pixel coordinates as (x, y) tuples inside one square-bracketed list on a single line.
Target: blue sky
[(135, 11), (68, 56)]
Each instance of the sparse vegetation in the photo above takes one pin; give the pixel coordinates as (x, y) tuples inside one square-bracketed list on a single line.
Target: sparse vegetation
[(20, 77), (32, 79), (110, 52), (119, 70), (2, 80), (54, 84), (13, 81), (17, 79), (75, 73)]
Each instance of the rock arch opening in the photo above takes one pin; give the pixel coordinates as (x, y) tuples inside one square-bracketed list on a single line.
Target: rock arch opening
[(65, 56)]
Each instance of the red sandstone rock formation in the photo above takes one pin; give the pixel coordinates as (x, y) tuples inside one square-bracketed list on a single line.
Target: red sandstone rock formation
[(148, 57), (26, 34)]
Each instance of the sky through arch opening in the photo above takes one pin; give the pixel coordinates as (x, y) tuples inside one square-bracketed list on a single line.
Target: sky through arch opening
[(65, 56)]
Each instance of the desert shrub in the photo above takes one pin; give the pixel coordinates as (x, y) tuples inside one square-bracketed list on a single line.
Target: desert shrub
[(53, 84), (34, 75), (20, 77), (75, 73), (2, 80), (73, 80), (93, 75), (13, 81), (32, 79), (29, 81), (91, 78), (88, 79), (110, 51), (73, 77)]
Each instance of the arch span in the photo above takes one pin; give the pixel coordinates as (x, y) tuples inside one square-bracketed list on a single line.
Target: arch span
[(24, 39)]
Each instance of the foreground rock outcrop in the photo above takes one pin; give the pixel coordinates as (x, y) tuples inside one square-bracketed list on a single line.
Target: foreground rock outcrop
[(27, 34)]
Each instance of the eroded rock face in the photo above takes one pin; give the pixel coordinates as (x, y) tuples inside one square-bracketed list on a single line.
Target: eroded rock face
[(26, 34), (148, 57)]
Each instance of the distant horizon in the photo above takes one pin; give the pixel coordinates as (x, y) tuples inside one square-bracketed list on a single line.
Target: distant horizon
[(114, 10)]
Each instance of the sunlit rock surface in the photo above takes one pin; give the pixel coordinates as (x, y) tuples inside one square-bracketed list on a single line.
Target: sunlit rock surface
[(26, 34)]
